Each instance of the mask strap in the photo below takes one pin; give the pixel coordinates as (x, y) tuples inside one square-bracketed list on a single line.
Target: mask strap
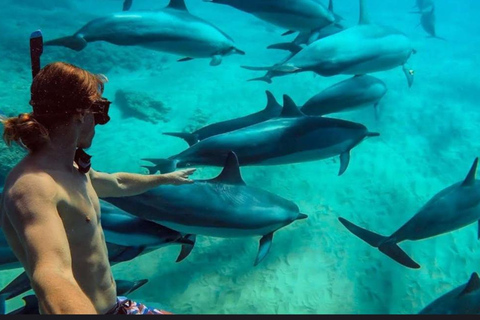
[(82, 159), (36, 50)]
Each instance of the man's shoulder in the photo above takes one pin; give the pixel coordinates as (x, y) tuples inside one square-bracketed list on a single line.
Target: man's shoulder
[(29, 182)]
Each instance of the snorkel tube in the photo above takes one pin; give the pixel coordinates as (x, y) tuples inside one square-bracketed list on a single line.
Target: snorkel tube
[(36, 50), (82, 159)]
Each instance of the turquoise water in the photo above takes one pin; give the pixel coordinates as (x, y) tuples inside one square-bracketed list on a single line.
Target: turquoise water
[(429, 139)]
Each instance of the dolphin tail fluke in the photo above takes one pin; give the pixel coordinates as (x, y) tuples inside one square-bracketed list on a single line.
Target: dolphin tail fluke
[(391, 249), (288, 46), (396, 253), (75, 42), (187, 246), (190, 138), (163, 165), (264, 248), (266, 78), (344, 161)]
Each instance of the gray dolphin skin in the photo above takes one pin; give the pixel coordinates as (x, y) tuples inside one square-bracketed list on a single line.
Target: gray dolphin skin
[(364, 48), (127, 4), (172, 29), (272, 110), (347, 95), (221, 207), (293, 15), (427, 20), (464, 299), (452, 208), (292, 137)]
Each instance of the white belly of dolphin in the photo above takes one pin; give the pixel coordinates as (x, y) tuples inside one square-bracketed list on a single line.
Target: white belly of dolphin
[(310, 155), (220, 232)]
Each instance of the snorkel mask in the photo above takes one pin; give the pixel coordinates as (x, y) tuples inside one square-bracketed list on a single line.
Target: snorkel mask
[(99, 108)]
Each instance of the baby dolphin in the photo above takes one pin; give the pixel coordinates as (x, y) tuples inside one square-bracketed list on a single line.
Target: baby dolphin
[(272, 110), (293, 137), (221, 207), (464, 299), (346, 95), (452, 208), (364, 48), (172, 29), (293, 15)]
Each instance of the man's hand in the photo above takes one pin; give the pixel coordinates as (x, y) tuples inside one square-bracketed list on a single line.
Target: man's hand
[(180, 177)]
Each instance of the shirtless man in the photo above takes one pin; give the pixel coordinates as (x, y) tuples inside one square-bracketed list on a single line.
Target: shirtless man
[(50, 212)]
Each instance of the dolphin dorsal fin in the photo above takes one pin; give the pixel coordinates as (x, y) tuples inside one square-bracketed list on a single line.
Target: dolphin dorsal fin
[(363, 14), (290, 109), (472, 285), (470, 179), (231, 172), (271, 101), (330, 6), (177, 4)]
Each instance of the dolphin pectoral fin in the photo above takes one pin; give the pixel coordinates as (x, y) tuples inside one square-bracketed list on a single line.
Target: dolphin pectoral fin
[(264, 248), (76, 42), (216, 60), (266, 78), (288, 32), (409, 73), (344, 161), (184, 59), (127, 4), (187, 247)]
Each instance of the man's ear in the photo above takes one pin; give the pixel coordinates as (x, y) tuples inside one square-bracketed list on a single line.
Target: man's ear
[(80, 115)]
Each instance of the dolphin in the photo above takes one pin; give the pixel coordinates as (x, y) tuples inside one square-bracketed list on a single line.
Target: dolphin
[(464, 299), (423, 5), (172, 29), (427, 20), (292, 137), (124, 287), (293, 15), (364, 48), (221, 207), (272, 110), (346, 95), (450, 209)]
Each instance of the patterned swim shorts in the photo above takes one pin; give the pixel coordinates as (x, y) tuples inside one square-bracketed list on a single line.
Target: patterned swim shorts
[(127, 306)]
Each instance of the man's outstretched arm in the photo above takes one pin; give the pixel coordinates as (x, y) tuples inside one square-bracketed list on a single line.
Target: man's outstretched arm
[(124, 184)]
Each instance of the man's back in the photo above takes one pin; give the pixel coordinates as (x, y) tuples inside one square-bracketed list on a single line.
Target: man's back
[(51, 219)]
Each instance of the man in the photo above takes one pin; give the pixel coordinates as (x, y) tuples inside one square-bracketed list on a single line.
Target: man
[(50, 210)]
